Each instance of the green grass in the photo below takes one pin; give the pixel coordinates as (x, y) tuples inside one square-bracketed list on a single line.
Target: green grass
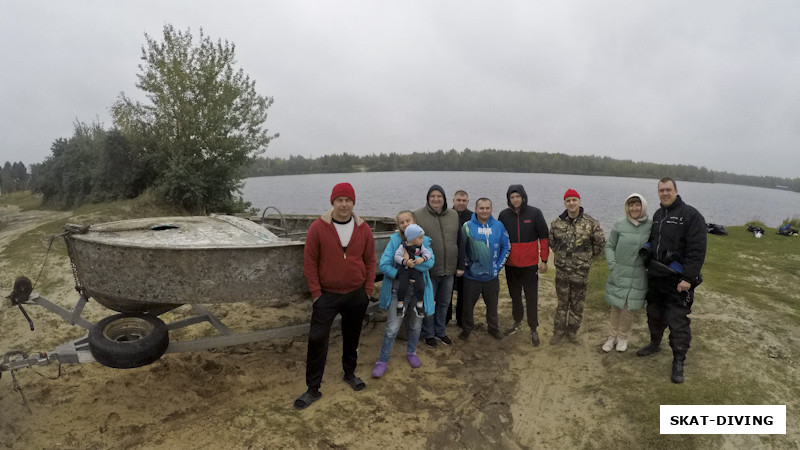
[(753, 307), (763, 270), (24, 199), (27, 252)]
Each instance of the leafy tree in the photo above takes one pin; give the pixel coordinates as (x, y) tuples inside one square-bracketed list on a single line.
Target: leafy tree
[(93, 165), (203, 122), (19, 175), (13, 177), (6, 182)]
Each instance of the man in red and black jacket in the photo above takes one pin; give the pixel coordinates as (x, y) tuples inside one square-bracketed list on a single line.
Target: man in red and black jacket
[(339, 265), (529, 234)]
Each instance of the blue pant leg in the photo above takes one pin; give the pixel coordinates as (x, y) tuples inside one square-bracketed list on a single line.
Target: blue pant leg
[(414, 328), (427, 323), (392, 326), (442, 294)]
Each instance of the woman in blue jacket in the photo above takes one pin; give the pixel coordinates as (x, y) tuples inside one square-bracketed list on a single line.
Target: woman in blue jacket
[(627, 281), (388, 299)]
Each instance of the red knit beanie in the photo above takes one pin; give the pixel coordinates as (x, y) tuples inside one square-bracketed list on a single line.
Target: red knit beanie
[(571, 193), (343, 190)]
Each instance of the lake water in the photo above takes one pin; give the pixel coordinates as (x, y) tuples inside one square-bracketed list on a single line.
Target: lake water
[(386, 193)]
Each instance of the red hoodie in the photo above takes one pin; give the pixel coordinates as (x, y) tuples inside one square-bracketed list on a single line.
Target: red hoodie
[(327, 267), (527, 231)]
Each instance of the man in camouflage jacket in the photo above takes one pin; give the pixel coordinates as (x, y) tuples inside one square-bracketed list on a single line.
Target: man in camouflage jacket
[(576, 239)]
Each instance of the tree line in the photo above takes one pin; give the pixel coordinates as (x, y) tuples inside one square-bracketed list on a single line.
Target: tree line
[(506, 161), (189, 143), (14, 177)]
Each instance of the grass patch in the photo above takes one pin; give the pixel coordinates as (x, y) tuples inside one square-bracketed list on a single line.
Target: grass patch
[(25, 200), (764, 270), (744, 311), (27, 252)]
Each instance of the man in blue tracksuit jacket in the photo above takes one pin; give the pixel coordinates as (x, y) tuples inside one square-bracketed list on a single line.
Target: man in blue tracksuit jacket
[(483, 249)]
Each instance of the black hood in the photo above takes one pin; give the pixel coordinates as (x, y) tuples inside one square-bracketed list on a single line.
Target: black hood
[(436, 187), (521, 191)]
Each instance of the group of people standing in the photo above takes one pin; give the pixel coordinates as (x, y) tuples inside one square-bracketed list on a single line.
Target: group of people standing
[(439, 250)]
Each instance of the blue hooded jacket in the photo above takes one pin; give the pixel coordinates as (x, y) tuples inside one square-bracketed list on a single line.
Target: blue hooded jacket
[(389, 269), (484, 248)]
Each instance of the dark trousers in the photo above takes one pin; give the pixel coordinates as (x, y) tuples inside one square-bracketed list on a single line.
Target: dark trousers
[(668, 308), (353, 307), (404, 275), (527, 279), (490, 290), (458, 288)]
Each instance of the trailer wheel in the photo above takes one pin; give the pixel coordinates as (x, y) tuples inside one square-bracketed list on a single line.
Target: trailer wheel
[(125, 341)]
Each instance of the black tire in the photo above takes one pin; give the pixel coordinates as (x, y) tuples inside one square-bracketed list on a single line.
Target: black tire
[(125, 341)]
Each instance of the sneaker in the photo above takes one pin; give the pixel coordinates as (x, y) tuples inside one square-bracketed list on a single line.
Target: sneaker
[(622, 345), (445, 340), (400, 312), (379, 370), (609, 345), (556, 339), (430, 342), (463, 335), (573, 337), (514, 328), (535, 338), (496, 334), (419, 311), (413, 360)]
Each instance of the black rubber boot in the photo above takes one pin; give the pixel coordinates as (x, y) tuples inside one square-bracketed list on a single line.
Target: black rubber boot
[(677, 371)]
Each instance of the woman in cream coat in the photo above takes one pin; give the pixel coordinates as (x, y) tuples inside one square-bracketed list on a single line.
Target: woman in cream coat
[(627, 281)]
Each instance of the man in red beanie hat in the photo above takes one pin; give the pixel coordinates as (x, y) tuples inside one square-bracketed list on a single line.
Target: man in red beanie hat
[(576, 238), (339, 265)]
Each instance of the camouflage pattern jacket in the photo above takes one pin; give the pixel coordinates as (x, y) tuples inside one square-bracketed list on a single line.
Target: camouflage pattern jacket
[(575, 242)]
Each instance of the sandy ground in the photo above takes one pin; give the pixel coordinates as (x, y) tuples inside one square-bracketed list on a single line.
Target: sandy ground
[(482, 393)]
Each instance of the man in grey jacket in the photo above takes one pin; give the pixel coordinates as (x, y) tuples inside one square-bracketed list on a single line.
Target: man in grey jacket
[(441, 225)]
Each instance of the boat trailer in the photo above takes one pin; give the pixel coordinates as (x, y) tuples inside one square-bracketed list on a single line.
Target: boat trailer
[(78, 351)]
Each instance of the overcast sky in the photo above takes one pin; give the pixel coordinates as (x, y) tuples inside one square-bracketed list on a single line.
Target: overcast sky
[(707, 83)]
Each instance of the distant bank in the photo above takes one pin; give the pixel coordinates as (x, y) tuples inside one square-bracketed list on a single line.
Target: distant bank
[(492, 160)]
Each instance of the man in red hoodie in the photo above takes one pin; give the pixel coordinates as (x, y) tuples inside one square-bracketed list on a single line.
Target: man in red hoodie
[(339, 265), (528, 233)]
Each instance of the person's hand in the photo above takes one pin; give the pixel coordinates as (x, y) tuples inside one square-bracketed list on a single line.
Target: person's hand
[(459, 273), (419, 261), (542, 267), (410, 263), (314, 300), (684, 286)]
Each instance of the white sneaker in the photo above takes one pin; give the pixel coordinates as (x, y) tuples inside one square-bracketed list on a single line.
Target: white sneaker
[(622, 345), (609, 345)]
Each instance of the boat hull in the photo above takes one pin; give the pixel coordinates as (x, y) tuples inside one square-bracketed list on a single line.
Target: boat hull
[(136, 270)]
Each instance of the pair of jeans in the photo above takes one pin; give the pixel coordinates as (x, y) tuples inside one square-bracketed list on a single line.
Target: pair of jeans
[(393, 325), (435, 325)]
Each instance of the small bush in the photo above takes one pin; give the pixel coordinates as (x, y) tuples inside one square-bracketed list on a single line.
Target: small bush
[(794, 222), (755, 223)]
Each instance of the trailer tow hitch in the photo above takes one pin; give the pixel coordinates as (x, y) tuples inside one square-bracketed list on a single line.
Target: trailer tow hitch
[(19, 295)]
